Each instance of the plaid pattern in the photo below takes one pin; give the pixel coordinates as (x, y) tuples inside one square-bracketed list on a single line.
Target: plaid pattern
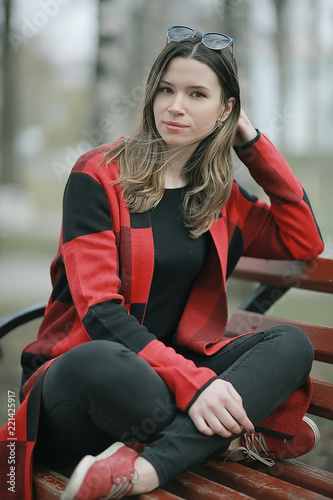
[(103, 270)]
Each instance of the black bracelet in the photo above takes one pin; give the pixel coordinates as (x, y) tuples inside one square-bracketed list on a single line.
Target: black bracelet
[(245, 145)]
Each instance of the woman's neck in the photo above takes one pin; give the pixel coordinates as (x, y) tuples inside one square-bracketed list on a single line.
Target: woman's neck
[(174, 169), (174, 177)]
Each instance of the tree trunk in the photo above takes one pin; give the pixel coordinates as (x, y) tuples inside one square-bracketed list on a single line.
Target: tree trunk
[(281, 42), (233, 19), (110, 71), (7, 126)]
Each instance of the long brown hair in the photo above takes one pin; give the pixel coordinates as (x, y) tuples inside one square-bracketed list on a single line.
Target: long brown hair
[(142, 156)]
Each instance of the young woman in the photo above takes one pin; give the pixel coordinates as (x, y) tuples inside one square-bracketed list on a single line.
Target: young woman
[(137, 380)]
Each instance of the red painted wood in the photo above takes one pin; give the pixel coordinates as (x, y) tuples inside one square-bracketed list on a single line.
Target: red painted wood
[(321, 336), (156, 495), (316, 274), (215, 480), (195, 487), (254, 483), (322, 399), (48, 485), (301, 474)]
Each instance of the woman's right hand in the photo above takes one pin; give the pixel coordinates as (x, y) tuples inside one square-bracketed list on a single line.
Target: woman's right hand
[(245, 130), (219, 410)]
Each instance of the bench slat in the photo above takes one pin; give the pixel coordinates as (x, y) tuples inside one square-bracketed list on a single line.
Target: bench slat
[(322, 399), (192, 486), (316, 274), (254, 483), (303, 475), (157, 495), (321, 336), (47, 484)]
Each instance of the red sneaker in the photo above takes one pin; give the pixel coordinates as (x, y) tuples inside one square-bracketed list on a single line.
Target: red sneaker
[(267, 448), (108, 475)]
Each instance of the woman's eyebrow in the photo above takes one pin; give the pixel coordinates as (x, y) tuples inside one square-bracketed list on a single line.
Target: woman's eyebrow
[(166, 83), (198, 87)]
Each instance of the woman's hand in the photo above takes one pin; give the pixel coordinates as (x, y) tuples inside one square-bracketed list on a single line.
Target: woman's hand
[(245, 130), (219, 410)]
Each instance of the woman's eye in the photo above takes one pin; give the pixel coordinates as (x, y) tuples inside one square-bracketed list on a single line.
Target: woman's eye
[(198, 94), (165, 90)]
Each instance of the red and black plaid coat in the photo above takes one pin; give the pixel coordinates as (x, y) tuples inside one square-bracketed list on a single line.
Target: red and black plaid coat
[(103, 270)]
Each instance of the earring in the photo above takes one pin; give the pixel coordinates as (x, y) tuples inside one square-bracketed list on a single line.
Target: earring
[(219, 122)]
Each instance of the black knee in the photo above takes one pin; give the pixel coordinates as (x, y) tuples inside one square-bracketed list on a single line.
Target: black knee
[(301, 343), (298, 347), (87, 366), (99, 363)]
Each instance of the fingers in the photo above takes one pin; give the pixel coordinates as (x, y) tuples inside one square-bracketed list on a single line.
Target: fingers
[(240, 420), (202, 426), (228, 428), (219, 410), (212, 425), (237, 410), (245, 129)]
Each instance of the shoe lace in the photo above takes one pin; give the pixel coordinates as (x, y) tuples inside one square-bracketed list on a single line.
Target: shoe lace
[(123, 485), (254, 446)]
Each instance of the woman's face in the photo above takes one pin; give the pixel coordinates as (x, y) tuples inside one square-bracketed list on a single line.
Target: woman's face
[(188, 103)]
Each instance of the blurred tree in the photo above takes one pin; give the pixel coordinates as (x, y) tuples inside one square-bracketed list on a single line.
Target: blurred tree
[(7, 125), (282, 44), (314, 63), (110, 69), (233, 18)]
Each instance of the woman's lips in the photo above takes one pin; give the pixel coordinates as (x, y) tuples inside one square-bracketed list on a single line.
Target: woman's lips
[(175, 126)]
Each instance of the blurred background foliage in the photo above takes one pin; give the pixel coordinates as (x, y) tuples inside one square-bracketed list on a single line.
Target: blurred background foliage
[(72, 77)]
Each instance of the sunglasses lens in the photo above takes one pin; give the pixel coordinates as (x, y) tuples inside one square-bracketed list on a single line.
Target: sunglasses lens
[(177, 33), (216, 41)]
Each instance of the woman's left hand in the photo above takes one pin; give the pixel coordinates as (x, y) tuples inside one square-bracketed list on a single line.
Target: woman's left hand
[(245, 130), (219, 410)]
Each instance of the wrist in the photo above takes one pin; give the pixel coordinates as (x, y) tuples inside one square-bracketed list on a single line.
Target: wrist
[(246, 144), (197, 394)]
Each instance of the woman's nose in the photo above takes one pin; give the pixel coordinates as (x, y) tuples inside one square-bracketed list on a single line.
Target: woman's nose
[(177, 106)]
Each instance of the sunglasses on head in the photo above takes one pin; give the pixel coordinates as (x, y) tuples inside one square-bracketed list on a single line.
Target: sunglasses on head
[(214, 41)]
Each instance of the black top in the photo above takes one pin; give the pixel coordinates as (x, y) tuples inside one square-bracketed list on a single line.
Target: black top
[(178, 260)]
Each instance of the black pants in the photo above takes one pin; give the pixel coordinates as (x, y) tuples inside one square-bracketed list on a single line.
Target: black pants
[(101, 392)]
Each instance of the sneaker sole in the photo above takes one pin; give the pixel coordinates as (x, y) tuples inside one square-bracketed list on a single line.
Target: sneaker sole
[(315, 430), (82, 468)]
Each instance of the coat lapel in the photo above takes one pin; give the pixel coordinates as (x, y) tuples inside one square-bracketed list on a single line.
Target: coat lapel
[(142, 260)]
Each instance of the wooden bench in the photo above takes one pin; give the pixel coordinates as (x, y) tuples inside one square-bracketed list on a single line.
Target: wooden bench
[(230, 480)]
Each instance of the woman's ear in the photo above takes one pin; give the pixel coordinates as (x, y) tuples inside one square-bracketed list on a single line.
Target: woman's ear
[(227, 109)]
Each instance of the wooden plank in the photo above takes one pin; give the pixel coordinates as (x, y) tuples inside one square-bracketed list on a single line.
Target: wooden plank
[(47, 484), (316, 274), (157, 495), (192, 486), (254, 483), (296, 472), (322, 399), (321, 336)]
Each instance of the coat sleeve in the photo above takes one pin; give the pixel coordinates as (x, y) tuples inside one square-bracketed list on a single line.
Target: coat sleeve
[(91, 263), (286, 228)]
